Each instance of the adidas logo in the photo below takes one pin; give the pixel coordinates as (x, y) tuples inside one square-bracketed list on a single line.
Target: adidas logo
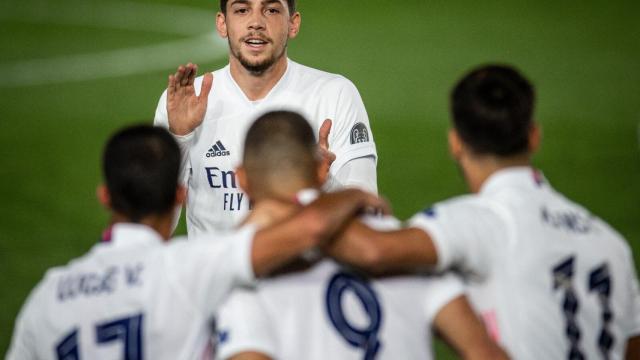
[(218, 150)]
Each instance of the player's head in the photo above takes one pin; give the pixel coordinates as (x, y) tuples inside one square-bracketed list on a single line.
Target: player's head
[(492, 110), (258, 31), (140, 167), (291, 5), (280, 157)]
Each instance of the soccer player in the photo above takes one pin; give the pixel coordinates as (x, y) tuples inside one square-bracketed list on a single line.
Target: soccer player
[(209, 115), (324, 310), (138, 296), (552, 280)]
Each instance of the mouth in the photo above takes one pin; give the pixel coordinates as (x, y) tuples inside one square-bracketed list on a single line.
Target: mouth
[(256, 43)]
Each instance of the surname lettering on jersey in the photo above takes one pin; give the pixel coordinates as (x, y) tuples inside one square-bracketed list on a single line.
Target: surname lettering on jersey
[(96, 283), (566, 219), (221, 179)]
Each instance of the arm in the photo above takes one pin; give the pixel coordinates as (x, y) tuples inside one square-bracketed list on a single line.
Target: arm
[(458, 233), (311, 227), (462, 329), (180, 111), (358, 173), (351, 140), (382, 251), (249, 355), (633, 348)]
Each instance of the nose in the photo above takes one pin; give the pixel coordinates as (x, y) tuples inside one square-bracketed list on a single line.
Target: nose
[(257, 21)]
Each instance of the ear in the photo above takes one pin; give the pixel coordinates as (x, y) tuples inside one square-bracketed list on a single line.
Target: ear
[(181, 195), (102, 193), (221, 25), (294, 25), (455, 144), (535, 137), (243, 181)]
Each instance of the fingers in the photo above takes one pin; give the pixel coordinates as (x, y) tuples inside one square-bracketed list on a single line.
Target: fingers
[(376, 205), (192, 73), (171, 86), (207, 84), (185, 75), (323, 138)]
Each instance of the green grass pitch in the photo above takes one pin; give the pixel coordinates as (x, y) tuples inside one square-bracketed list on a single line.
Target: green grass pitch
[(404, 57)]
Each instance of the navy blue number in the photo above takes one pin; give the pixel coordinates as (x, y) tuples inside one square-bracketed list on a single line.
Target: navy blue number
[(600, 283), (563, 279), (67, 348), (128, 330), (365, 338)]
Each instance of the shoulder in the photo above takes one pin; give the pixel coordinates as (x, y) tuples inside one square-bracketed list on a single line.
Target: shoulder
[(460, 207), (325, 80)]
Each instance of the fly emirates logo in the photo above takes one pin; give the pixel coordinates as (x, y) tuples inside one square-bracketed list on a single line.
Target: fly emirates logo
[(221, 180)]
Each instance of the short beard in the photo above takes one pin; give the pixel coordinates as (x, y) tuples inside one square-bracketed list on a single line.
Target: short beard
[(257, 69)]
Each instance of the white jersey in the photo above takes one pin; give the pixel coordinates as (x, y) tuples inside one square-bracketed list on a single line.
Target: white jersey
[(214, 149), (134, 297), (551, 280), (330, 312)]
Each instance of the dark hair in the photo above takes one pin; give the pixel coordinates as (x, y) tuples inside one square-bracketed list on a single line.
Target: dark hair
[(140, 166), (291, 4), (280, 143), (492, 110)]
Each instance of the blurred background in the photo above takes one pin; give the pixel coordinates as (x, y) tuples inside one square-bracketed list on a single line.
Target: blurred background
[(71, 72)]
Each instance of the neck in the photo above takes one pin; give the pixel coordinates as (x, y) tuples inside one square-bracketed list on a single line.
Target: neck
[(478, 168), (162, 224), (284, 190), (257, 86)]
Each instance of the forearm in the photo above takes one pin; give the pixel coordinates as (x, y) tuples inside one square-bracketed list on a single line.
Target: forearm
[(382, 251), (463, 330), (312, 226), (633, 348)]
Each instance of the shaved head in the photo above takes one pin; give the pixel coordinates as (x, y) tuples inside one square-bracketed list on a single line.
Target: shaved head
[(280, 155)]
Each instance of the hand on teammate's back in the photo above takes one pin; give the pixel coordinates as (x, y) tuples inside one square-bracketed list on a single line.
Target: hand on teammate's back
[(185, 109)]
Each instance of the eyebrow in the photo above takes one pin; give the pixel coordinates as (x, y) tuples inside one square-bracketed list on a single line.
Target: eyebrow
[(264, 2)]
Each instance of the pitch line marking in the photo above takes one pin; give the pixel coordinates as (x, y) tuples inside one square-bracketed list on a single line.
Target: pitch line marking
[(201, 46)]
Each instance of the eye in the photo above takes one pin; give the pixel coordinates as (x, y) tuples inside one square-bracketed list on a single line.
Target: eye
[(273, 11), (241, 11)]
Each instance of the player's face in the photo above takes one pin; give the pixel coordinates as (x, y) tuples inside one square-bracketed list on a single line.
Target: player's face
[(258, 31)]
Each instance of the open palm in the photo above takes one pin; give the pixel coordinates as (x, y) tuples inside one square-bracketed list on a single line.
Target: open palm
[(185, 109)]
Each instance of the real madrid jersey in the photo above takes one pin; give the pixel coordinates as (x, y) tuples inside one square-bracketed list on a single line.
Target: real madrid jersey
[(329, 312), (551, 280), (214, 149), (134, 297)]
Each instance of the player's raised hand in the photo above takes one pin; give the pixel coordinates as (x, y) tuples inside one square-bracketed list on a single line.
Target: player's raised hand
[(185, 109), (326, 157)]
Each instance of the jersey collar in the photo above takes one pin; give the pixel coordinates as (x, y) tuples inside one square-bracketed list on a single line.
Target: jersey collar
[(520, 176), (280, 84), (129, 234)]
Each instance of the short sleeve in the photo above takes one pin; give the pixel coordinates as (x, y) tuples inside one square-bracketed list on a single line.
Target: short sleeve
[(161, 119), (351, 135), (356, 173), (635, 302), (243, 325), (209, 270), (443, 289), (467, 234), (23, 343)]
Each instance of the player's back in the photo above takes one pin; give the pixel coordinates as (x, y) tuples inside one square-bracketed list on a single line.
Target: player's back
[(329, 312), (562, 283), (132, 298)]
